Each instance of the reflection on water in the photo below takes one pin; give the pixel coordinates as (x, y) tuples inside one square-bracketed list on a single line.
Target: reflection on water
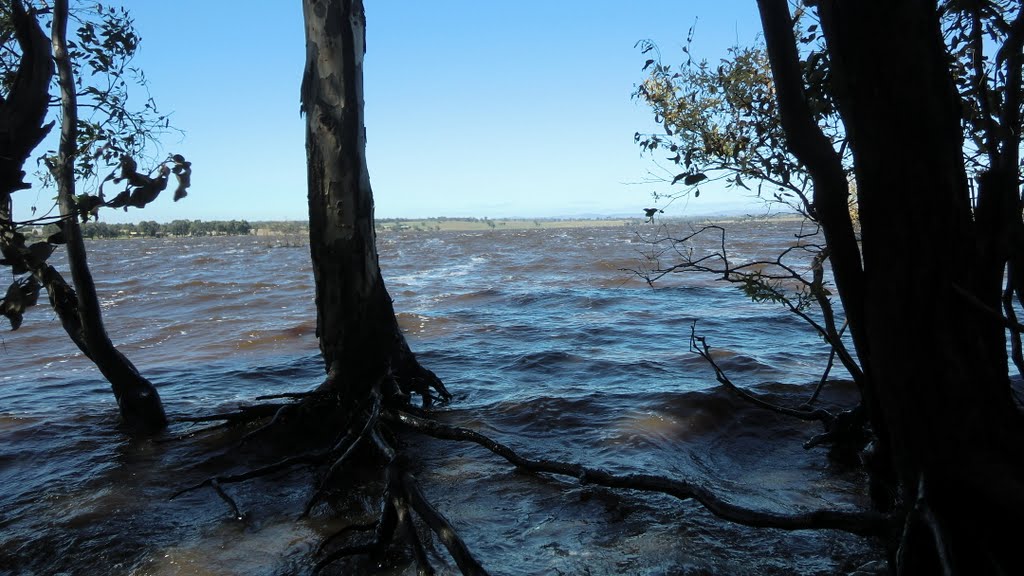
[(547, 346)]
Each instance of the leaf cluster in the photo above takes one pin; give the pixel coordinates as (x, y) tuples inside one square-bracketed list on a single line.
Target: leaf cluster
[(141, 189), (721, 121), (117, 116), (28, 261), (981, 37), (22, 258)]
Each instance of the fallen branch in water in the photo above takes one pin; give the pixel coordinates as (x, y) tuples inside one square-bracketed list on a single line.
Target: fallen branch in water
[(402, 502), (860, 523), (844, 430)]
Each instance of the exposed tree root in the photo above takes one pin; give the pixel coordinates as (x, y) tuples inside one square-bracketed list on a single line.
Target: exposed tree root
[(402, 497), (241, 416), (345, 448), (860, 523), (308, 459), (440, 526), (403, 505)]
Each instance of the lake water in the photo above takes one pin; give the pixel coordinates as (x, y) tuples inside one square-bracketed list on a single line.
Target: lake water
[(547, 345)]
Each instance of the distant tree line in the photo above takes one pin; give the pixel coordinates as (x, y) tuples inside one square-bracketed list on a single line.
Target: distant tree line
[(152, 229)]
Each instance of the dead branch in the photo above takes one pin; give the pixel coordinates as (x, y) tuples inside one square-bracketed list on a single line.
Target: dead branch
[(763, 280), (992, 314), (699, 345), (307, 459), (843, 430), (863, 523)]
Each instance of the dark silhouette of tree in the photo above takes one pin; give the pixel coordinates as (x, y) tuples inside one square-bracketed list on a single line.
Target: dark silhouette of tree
[(915, 107), (925, 292), (111, 133)]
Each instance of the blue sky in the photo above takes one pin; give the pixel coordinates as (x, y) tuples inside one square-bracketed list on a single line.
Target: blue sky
[(473, 107)]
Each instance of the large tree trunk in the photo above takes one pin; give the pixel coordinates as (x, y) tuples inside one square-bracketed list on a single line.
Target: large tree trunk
[(937, 355), (137, 398), (359, 336)]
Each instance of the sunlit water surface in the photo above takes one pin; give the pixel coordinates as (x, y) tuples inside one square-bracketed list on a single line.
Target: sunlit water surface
[(548, 345)]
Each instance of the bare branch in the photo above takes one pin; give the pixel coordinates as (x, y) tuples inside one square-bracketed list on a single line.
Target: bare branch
[(699, 345), (863, 523)]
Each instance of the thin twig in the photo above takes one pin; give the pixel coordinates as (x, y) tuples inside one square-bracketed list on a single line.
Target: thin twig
[(224, 496)]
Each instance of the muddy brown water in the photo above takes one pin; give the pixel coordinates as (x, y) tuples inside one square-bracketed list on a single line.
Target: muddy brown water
[(547, 344)]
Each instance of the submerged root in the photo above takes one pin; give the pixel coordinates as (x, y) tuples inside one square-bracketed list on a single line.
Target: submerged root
[(870, 524), (405, 513), (401, 498), (402, 502)]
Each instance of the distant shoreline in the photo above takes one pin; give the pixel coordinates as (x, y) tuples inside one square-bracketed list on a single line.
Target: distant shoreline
[(475, 224), (391, 225), (386, 225)]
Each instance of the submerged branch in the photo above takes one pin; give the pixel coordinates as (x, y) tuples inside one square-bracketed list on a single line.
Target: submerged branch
[(699, 345), (863, 523)]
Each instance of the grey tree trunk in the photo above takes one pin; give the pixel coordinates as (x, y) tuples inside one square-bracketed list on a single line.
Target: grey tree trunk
[(137, 398), (359, 336)]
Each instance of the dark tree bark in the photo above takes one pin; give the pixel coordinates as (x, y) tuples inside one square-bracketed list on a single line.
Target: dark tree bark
[(359, 336), (937, 365), (137, 398), (23, 112)]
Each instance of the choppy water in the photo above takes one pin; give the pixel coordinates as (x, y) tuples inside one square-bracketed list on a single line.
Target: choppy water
[(546, 344)]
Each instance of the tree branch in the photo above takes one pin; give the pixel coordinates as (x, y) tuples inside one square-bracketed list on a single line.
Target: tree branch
[(814, 150), (860, 523)]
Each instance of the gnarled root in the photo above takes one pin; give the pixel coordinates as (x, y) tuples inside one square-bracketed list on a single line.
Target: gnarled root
[(404, 507), (401, 498), (864, 523)]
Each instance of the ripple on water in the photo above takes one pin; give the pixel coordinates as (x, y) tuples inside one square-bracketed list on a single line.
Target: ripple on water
[(546, 344)]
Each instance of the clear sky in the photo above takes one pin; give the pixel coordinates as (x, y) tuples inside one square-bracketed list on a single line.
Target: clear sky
[(473, 107)]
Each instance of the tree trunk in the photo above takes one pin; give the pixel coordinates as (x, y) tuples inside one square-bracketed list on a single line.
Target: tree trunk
[(23, 112), (359, 336), (137, 398), (938, 360)]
